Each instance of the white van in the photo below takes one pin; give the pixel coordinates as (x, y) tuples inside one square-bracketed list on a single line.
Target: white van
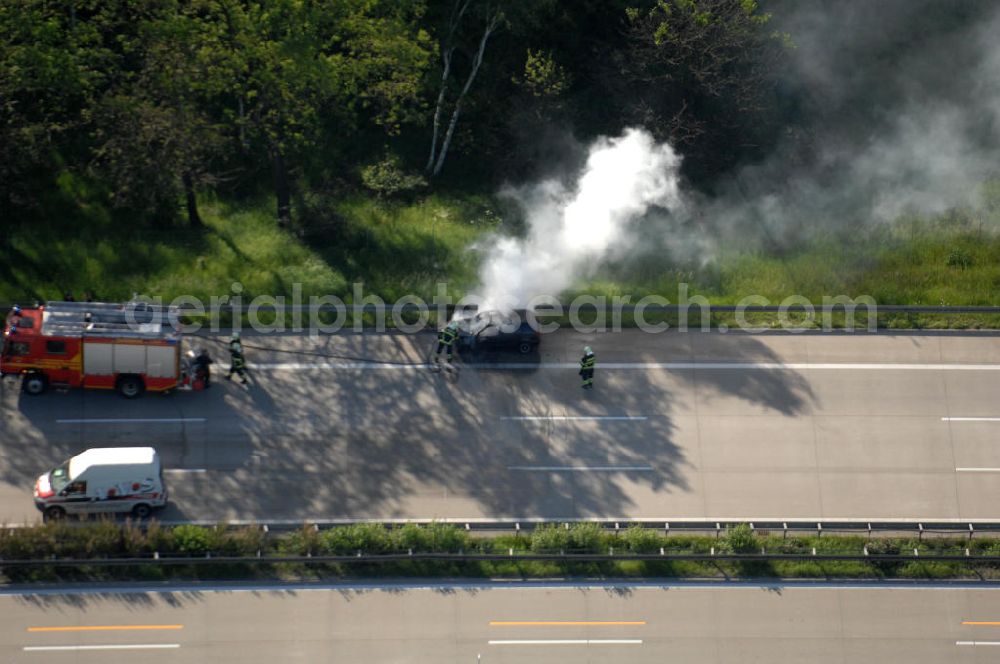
[(103, 480)]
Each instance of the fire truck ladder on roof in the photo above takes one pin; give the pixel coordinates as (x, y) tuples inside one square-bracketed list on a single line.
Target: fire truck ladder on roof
[(132, 319)]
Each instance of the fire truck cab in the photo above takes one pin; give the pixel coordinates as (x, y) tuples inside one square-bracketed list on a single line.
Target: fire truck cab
[(129, 347)]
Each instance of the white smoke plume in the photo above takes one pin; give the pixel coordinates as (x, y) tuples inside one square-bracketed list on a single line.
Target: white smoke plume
[(570, 229)]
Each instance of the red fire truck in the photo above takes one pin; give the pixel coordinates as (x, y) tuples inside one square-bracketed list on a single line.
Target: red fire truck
[(129, 347)]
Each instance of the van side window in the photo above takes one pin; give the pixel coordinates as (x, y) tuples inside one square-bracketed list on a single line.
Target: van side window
[(55, 347), (76, 488)]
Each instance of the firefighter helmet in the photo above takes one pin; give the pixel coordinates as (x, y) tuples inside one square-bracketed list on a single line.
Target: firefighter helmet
[(587, 350)]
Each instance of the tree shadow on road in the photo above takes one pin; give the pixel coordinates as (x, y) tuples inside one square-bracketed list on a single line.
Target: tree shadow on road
[(400, 442)]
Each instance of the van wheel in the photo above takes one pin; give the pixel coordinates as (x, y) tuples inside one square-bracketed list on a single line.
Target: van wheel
[(130, 386), (35, 384), (54, 513), (142, 511), (525, 347)]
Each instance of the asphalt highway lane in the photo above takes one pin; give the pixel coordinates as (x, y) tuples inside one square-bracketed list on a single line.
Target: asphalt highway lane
[(499, 623), (680, 425)]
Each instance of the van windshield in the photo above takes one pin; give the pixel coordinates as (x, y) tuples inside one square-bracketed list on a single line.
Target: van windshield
[(59, 477)]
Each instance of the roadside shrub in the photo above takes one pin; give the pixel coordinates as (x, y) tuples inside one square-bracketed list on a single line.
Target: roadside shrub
[(881, 546), (191, 539), (364, 537), (550, 538), (434, 537), (246, 541), (741, 539), (103, 538), (985, 547), (688, 544), (133, 540), (302, 542), (158, 538), (641, 540), (586, 538), (25, 543)]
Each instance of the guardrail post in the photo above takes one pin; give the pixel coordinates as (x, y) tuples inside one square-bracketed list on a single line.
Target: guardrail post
[(784, 530), (920, 537), (869, 531), (718, 529), (666, 529), (971, 531), (819, 529)]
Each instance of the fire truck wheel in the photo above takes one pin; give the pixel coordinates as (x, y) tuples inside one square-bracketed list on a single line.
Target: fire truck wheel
[(54, 513), (35, 383), (141, 511), (130, 386)]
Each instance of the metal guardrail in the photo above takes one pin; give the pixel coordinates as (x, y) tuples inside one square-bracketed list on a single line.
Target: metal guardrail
[(717, 528), (712, 527), (361, 558)]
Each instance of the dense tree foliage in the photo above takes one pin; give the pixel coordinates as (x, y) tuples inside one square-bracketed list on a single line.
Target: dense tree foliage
[(140, 106)]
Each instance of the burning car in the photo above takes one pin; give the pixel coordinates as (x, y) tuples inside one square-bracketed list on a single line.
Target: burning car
[(495, 330)]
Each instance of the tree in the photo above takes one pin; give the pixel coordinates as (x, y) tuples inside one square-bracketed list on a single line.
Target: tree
[(492, 15), (52, 67), (701, 73), (293, 68), (154, 136)]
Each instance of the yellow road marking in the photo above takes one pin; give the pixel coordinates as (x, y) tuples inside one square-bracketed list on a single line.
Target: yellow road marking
[(561, 623), (980, 622), (102, 628)]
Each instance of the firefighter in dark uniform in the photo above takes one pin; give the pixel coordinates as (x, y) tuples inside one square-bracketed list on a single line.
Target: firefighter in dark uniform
[(201, 368), (446, 340), (237, 363), (587, 363)]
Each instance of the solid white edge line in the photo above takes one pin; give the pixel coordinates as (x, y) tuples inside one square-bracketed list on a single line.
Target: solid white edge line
[(977, 643), (564, 418), (566, 642), (137, 420), (137, 646), (977, 470), (734, 366), (581, 469), (970, 419)]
